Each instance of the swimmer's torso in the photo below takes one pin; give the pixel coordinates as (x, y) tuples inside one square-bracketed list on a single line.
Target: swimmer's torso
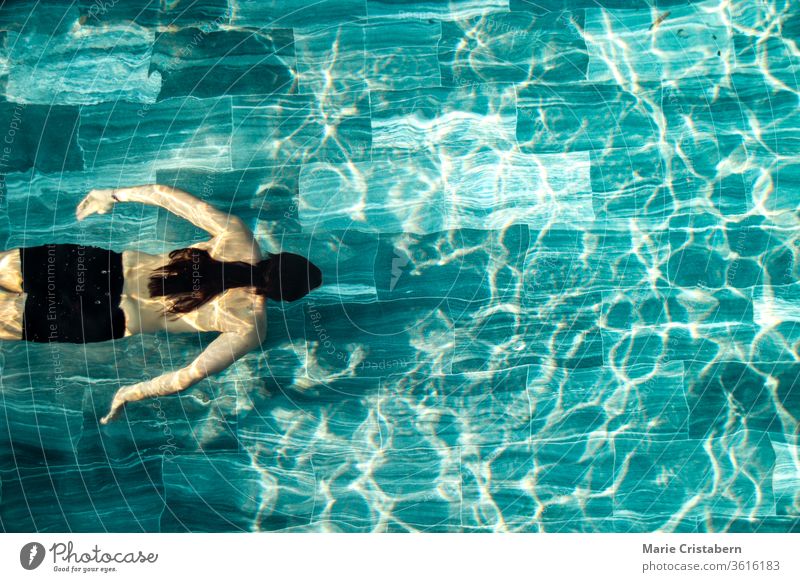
[(237, 309)]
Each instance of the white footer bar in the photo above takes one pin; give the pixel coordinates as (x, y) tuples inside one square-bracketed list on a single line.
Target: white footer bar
[(388, 557)]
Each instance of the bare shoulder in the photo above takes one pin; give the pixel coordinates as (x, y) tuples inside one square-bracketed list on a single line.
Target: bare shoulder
[(205, 245), (233, 245)]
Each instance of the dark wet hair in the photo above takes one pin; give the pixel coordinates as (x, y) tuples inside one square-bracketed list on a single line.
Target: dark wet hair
[(192, 278)]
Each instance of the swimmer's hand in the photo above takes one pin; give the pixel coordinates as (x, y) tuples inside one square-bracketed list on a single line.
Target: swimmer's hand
[(97, 201), (168, 383), (123, 395)]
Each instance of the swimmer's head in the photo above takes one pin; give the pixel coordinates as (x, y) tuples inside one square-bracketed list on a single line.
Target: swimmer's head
[(289, 277), (193, 277)]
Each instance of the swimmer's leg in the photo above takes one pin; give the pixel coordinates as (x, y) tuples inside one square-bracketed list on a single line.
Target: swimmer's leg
[(12, 307), (10, 271)]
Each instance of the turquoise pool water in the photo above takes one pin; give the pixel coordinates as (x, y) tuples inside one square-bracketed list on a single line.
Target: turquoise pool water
[(560, 247)]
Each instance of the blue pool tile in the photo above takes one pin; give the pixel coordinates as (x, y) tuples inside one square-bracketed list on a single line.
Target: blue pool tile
[(193, 132), (201, 63), (773, 109), (331, 59), (456, 410), (776, 313), (290, 492), (607, 61), (42, 420), (350, 512), (282, 355), (640, 198), (627, 46), (705, 156), (706, 232), (198, 420), (276, 131), (771, 524), (125, 497), (641, 400), (444, 118), (744, 272), (423, 193), (762, 54), (599, 260), (286, 413), (289, 13), (395, 481), (3, 64), (479, 266), (632, 173), (752, 48), (726, 340), (371, 197), (217, 492), (540, 401), (512, 47), (672, 477), (321, 482), (433, 9), (206, 13), (708, 108), (775, 341), (710, 125), (84, 66), (39, 16), (747, 17), (418, 504), (751, 236), (775, 301), (621, 524), (785, 480), (564, 333), (347, 260), (652, 344), (544, 6), (42, 137), (513, 487), (584, 116), (695, 265), (732, 395), (351, 336), (781, 265), (645, 306), (402, 54)]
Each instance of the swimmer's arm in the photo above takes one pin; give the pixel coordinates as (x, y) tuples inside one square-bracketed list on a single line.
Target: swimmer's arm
[(180, 203), (223, 227), (220, 353)]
